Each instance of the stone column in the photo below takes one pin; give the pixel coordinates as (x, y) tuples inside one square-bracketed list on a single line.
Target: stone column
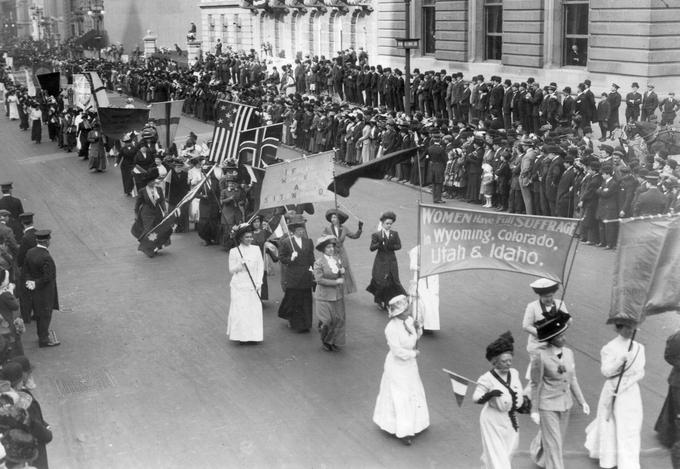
[(193, 52), (149, 44)]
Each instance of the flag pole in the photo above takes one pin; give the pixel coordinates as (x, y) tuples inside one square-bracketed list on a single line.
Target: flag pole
[(348, 210), (460, 376), (249, 275), (420, 178), (571, 264), (623, 370)]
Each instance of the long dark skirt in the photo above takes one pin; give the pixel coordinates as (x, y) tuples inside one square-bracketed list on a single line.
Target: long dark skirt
[(36, 130), (667, 424), (384, 290), (474, 182), (264, 290), (296, 307)]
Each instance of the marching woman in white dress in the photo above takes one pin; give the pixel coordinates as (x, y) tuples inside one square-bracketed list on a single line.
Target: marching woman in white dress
[(13, 103), (500, 390), (245, 308), (401, 407), (614, 436)]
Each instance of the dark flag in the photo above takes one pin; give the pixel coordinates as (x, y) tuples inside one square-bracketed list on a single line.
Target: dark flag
[(116, 121), (647, 268), (231, 119), (166, 116), (257, 147), (157, 236), (375, 169), (50, 82)]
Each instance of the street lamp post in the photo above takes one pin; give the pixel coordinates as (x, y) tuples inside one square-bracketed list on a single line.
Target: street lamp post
[(407, 43)]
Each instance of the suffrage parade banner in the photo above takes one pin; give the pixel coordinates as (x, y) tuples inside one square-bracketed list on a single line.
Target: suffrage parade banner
[(647, 268), (116, 122), (298, 181), (458, 239)]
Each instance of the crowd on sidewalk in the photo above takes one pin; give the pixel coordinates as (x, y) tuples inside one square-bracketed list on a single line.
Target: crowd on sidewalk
[(516, 147)]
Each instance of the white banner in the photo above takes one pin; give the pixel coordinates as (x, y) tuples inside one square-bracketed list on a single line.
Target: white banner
[(83, 92), (298, 181)]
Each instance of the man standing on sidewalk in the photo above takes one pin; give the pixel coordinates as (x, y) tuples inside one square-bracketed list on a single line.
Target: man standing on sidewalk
[(40, 273)]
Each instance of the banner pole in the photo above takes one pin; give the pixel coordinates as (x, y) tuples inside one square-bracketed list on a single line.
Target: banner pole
[(420, 177), (571, 263), (418, 253), (249, 275), (618, 383)]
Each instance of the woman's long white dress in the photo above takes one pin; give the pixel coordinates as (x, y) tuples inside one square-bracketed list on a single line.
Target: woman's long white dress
[(12, 102), (245, 308), (499, 438), (401, 407), (615, 441)]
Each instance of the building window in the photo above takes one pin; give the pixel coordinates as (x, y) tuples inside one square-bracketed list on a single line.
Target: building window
[(429, 26), (493, 29), (575, 33)]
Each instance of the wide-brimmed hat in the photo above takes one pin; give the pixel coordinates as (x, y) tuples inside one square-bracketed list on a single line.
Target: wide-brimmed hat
[(544, 286), (504, 343), (238, 231), (342, 216), (550, 328), (324, 241), (397, 305), (389, 214)]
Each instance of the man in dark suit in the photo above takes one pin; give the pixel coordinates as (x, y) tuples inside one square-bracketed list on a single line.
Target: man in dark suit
[(437, 157), (633, 102), (568, 104), (650, 101), (651, 201), (15, 208), (552, 178), (508, 98), (590, 99), (565, 188), (608, 207), (28, 241), (297, 255), (496, 95), (40, 273)]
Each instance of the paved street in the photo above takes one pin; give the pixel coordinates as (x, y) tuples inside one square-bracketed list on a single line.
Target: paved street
[(145, 377)]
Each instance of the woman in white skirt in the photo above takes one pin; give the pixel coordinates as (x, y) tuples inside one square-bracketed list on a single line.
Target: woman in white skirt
[(401, 407), (245, 308), (614, 436), (500, 391)]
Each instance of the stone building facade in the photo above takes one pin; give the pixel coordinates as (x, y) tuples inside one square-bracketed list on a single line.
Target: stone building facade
[(553, 40), (288, 28)]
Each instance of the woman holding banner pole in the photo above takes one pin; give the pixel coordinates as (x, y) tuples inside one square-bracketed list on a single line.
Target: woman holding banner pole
[(614, 436), (245, 307)]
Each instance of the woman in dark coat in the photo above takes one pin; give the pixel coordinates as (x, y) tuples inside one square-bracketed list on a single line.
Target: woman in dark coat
[(261, 234), (473, 169), (297, 254), (385, 282)]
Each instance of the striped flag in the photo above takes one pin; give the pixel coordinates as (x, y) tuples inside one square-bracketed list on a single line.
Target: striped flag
[(459, 384), (230, 120), (258, 146), (166, 115)]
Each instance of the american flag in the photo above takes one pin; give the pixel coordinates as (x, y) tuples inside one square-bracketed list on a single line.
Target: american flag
[(231, 119), (259, 144)]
